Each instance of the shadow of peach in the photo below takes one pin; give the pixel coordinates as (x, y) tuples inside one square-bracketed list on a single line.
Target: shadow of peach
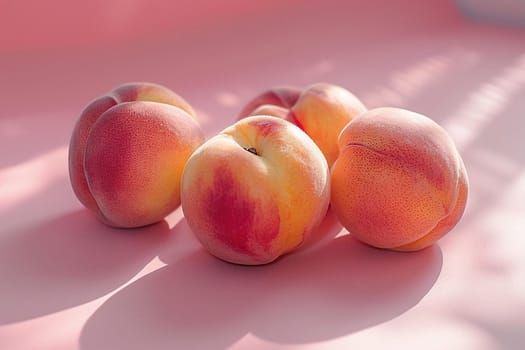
[(203, 303), (67, 261)]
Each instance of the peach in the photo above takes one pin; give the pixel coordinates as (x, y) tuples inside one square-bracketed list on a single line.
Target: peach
[(255, 191), (322, 110), (127, 153), (399, 182)]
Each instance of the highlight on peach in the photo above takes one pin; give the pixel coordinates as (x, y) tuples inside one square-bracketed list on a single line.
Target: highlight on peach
[(127, 153), (399, 182)]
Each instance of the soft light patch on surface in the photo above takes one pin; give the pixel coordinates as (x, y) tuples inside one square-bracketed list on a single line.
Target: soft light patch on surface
[(485, 103), (451, 333), (490, 171), (499, 164), (509, 221), (228, 99), (406, 83), (174, 217), (486, 254), (20, 181)]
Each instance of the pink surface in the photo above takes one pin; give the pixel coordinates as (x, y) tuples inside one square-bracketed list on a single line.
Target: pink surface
[(68, 282)]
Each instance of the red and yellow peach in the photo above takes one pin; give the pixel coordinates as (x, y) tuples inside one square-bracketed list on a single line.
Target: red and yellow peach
[(255, 191)]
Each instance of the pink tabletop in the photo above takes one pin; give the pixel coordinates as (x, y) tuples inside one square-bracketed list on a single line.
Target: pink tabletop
[(69, 282)]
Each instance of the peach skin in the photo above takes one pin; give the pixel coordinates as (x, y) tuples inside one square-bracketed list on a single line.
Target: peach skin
[(321, 110), (281, 96), (399, 182), (126, 158), (255, 191)]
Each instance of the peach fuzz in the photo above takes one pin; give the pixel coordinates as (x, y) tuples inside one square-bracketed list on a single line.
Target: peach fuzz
[(399, 182), (126, 158), (255, 191), (322, 110)]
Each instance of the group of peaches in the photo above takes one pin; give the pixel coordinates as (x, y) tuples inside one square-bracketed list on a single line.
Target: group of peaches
[(258, 189)]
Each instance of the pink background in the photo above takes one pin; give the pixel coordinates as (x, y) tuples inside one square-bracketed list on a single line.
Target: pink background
[(68, 282)]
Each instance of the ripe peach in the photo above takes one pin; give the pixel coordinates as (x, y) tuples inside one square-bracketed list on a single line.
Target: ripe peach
[(255, 191), (399, 182), (126, 158), (322, 110)]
